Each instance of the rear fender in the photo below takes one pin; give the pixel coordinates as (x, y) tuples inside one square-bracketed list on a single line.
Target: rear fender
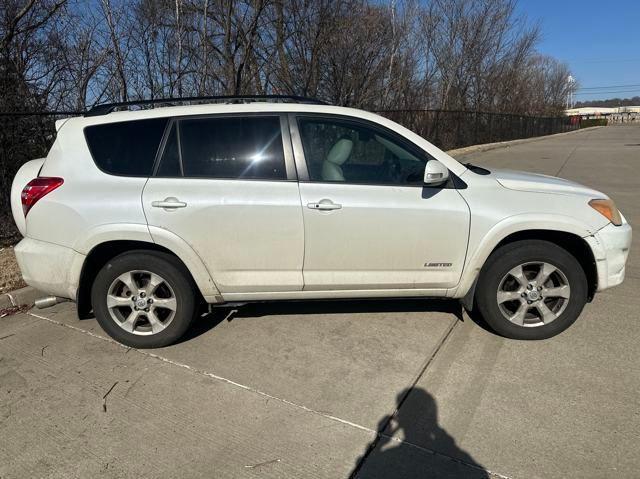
[(143, 233), (192, 261)]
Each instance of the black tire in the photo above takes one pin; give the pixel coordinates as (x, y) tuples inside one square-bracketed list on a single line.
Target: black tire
[(502, 261), (175, 277)]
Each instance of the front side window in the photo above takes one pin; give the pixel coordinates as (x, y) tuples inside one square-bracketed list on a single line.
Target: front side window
[(339, 150), (231, 147), (126, 148)]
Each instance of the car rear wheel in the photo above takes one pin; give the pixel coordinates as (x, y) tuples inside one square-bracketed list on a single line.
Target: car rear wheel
[(144, 299), (531, 289)]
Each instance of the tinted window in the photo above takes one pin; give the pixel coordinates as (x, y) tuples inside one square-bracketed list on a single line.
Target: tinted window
[(344, 151), (232, 148), (126, 148), (170, 162)]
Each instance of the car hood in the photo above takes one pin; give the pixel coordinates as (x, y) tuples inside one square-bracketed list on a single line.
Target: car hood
[(523, 181)]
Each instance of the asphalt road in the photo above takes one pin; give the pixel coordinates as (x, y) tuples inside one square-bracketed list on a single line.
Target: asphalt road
[(301, 390)]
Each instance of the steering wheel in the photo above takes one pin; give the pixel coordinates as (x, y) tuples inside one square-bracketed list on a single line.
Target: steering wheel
[(394, 168)]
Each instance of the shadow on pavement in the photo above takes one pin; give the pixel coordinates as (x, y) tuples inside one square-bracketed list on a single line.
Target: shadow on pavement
[(221, 313), (343, 306), (426, 451)]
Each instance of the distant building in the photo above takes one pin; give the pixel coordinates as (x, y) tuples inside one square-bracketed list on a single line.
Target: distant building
[(591, 111), (621, 114)]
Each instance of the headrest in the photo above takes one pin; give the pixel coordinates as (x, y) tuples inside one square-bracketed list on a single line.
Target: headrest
[(339, 153)]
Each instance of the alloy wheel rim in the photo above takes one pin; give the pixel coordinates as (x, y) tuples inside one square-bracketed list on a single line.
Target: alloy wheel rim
[(141, 302), (533, 294)]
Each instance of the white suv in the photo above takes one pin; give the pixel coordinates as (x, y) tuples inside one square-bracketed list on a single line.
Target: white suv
[(141, 216)]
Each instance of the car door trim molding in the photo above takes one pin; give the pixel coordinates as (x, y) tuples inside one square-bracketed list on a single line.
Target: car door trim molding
[(298, 150)]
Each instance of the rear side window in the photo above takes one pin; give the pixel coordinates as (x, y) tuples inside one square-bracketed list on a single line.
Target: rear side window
[(126, 148), (232, 147)]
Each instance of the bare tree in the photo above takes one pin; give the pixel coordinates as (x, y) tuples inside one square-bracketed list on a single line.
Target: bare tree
[(25, 79), (116, 38), (461, 55)]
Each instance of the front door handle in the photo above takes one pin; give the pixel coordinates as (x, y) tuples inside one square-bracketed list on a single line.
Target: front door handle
[(169, 203), (324, 205)]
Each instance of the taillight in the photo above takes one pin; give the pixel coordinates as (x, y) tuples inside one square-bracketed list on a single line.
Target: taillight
[(36, 189)]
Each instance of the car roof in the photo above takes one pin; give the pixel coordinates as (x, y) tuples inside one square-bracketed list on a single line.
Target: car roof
[(77, 124), (218, 109)]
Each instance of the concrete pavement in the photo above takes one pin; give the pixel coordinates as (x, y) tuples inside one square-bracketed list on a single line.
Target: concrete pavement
[(301, 389)]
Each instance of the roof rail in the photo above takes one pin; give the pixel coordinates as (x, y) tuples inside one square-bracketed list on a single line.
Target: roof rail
[(106, 108)]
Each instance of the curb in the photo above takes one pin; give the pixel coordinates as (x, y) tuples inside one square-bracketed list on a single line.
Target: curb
[(505, 144), (26, 295)]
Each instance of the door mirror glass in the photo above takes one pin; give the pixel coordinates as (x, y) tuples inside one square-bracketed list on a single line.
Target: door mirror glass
[(435, 173)]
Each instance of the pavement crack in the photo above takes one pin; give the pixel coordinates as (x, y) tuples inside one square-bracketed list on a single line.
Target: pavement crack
[(380, 433), (260, 464), (377, 433), (104, 398), (571, 154)]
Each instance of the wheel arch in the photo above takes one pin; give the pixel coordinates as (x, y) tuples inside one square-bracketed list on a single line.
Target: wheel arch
[(568, 240), (101, 253), (574, 244)]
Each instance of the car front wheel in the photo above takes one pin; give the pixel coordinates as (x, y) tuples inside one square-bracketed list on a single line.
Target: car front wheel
[(531, 289), (143, 299)]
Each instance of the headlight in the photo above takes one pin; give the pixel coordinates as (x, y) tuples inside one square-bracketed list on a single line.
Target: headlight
[(607, 208)]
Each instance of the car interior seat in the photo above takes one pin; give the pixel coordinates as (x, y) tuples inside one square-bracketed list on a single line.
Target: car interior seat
[(338, 154)]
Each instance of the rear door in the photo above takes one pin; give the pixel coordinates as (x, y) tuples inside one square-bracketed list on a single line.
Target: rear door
[(226, 185)]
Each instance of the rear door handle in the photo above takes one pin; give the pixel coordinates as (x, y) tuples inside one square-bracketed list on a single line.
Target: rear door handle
[(324, 205), (169, 203)]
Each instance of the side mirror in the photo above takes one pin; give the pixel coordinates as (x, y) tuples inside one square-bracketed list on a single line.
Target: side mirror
[(435, 173)]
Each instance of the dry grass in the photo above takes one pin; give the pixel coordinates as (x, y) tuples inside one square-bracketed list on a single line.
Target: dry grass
[(10, 277)]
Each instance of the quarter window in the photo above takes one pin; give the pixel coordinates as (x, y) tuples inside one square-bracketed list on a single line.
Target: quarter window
[(351, 152), (126, 148), (232, 147)]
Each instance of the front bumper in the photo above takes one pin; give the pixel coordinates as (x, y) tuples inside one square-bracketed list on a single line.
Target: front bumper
[(610, 246), (50, 268)]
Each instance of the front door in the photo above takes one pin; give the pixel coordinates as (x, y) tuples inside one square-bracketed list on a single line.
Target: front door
[(226, 185), (369, 221)]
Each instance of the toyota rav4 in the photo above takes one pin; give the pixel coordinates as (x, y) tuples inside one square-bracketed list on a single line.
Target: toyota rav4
[(141, 216)]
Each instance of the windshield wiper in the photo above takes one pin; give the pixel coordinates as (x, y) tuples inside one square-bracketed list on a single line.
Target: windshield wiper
[(477, 169)]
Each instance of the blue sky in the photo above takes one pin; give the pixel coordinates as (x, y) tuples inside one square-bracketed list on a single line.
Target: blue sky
[(599, 39)]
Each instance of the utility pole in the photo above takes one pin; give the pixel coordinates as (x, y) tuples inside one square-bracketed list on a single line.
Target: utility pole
[(571, 85)]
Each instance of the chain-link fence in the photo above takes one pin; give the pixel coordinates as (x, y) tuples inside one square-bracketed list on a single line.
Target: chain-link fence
[(23, 137), (456, 129), (26, 136)]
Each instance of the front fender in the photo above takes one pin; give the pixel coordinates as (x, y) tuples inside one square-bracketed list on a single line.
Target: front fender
[(487, 242)]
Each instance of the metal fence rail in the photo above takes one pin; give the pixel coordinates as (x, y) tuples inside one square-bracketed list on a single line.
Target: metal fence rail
[(446, 129), (28, 135), (456, 129)]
